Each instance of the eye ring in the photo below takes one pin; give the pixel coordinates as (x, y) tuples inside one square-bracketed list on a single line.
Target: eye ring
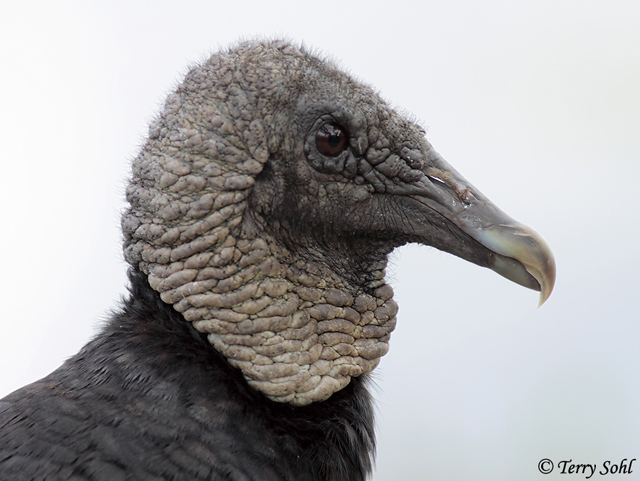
[(331, 139)]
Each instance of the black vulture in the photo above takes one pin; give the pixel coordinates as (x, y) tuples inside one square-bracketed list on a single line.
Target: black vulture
[(262, 209)]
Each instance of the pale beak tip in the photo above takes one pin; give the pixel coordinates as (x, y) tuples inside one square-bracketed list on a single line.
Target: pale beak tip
[(527, 260), (547, 279)]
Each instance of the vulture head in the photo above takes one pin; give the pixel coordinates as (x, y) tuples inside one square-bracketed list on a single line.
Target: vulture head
[(264, 205)]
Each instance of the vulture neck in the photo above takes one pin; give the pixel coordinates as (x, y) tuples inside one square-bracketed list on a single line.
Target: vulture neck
[(297, 330), (180, 372)]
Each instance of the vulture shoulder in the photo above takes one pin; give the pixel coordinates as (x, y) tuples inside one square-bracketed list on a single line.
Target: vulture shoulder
[(149, 399)]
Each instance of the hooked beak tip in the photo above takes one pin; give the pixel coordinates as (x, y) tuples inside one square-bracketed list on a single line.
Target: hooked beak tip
[(529, 262)]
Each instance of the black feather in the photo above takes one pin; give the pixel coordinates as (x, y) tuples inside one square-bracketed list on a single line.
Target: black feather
[(150, 399)]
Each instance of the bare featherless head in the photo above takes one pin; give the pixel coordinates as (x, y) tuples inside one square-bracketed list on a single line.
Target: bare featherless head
[(266, 200)]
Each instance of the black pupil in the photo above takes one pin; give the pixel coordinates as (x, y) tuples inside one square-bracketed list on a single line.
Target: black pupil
[(331, 139)]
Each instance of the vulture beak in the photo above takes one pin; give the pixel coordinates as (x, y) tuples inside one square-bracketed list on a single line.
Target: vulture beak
[(515, 251)]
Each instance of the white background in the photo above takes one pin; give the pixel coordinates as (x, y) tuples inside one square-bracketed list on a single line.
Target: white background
[(535, 102)]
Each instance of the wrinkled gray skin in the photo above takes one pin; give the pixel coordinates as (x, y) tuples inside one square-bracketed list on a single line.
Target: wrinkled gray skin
[(277, 251)]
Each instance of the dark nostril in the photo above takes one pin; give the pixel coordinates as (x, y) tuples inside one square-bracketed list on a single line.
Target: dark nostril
[(437, 180)]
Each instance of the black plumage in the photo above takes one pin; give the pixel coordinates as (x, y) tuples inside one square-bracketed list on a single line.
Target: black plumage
[(262, 209), (149, 399)]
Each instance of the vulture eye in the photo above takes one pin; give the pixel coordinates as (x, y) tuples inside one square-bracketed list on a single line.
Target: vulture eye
[(331, 139)]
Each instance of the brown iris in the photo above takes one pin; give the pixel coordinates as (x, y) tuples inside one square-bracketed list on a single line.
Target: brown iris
[(331, 139)]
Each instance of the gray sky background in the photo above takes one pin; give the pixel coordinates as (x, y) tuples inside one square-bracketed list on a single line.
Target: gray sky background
[(535, 102)]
